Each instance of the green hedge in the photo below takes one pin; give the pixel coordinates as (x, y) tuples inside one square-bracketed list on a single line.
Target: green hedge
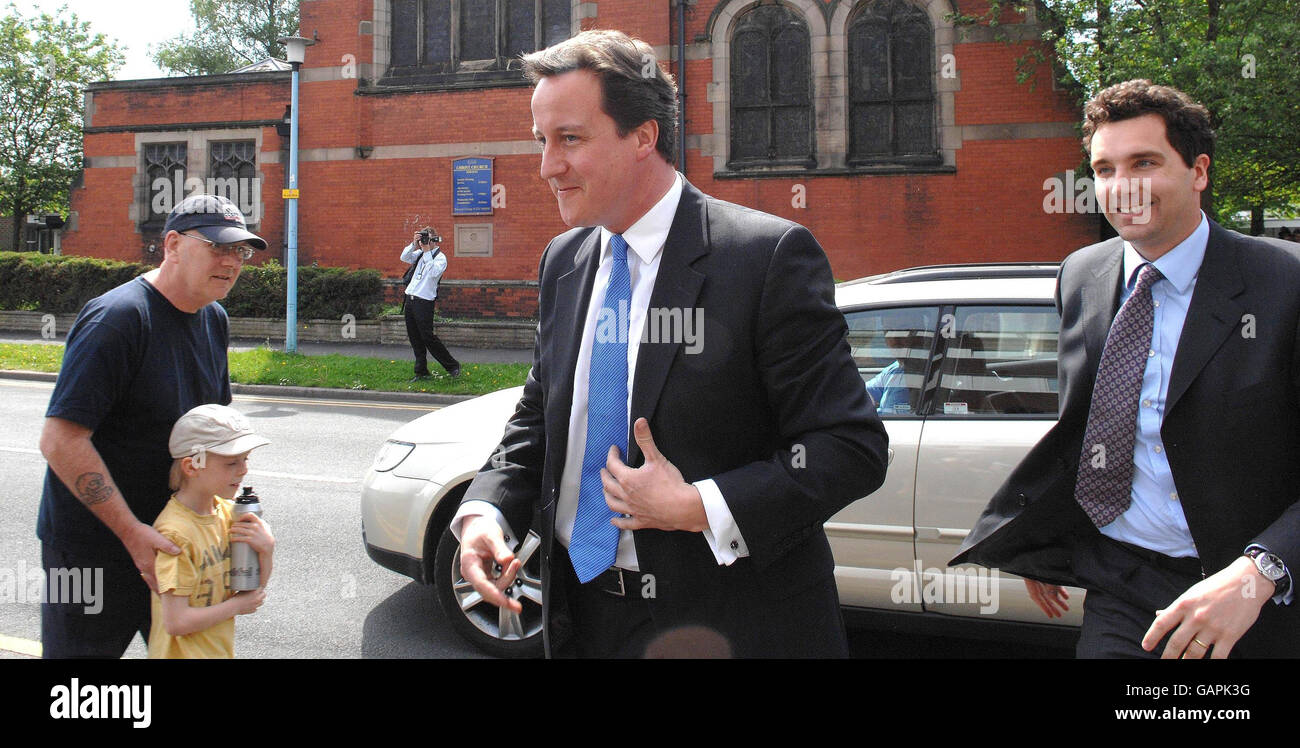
[(35, 282), (323, 292), (63, 284)]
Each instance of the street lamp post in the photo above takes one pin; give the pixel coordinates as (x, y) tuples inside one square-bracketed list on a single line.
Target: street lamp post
[(295, 51)]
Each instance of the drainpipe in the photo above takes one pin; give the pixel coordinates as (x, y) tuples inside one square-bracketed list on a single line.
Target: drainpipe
[(681, 86)]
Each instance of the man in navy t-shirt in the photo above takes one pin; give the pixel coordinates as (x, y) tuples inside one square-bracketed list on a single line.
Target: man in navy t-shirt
[(137, 358)]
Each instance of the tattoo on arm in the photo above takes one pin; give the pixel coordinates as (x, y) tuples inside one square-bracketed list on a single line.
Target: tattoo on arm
[(93, 488)]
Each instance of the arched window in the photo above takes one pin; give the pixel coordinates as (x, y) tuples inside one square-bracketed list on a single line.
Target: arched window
[(458, 41), (891, 84), (771, 89)]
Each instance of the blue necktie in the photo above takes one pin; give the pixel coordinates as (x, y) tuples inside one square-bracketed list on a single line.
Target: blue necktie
[(594, 543)]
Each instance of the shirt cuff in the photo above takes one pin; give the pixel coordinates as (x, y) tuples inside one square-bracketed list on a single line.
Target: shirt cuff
[(479, 508), (1280, 599), (723, 535)]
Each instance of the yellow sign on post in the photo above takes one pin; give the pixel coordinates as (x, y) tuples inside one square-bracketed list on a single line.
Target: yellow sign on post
[(286, 194)]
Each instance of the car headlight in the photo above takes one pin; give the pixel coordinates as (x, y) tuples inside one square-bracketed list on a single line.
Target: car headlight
[(391, 455)]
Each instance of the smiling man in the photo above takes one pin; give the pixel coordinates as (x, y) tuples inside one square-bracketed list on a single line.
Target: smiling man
[(137, 358), (679, 491), (1168, 489)]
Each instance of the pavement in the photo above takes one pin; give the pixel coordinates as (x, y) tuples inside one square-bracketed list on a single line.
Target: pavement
[(372, 350)]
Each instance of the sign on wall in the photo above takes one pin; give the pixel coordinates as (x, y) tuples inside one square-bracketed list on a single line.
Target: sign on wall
[(471, 187)]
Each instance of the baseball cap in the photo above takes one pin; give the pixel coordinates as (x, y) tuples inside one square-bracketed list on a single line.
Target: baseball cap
[(218, 429), (214, 216)]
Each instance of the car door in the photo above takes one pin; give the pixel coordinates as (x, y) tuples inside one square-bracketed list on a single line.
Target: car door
[(872, 538), (996, 397)]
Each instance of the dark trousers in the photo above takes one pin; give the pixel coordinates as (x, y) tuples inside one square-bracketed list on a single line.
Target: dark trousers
[(1126, 586), (604, 626), (98, 619), (419, 330)]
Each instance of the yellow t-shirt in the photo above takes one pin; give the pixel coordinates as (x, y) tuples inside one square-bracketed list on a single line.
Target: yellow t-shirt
[(200, 572)]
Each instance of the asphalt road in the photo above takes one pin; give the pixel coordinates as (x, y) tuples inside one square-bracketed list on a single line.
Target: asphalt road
[(326, 599)]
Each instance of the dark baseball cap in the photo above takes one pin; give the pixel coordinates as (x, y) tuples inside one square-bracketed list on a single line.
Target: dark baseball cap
[(214, 216)]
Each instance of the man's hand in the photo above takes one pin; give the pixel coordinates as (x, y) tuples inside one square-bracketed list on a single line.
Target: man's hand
[(143, 543), (482, 549), (415, 239), (654, 495), (1050, 597), (1213, 614)]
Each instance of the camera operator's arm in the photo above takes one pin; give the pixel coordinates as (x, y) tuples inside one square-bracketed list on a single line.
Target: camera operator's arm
[(411, 252)]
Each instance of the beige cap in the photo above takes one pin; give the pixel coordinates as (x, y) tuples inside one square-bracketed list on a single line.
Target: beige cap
[(218, 429)]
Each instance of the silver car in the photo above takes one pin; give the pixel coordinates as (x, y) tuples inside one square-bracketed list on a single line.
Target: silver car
[(961, 361)]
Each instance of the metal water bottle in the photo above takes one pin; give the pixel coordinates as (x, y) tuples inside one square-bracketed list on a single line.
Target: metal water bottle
[(245, 570)]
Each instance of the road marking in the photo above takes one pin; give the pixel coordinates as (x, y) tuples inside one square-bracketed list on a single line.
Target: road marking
[(338, 403), (271, 399), (25, 384), (21, 450), (20, 646), (297, 476)]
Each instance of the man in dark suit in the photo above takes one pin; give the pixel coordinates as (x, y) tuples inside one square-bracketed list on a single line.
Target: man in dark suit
[(750, 423), (1168, 489)]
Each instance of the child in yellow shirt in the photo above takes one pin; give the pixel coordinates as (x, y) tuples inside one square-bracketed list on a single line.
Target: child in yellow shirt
[(194, 610)]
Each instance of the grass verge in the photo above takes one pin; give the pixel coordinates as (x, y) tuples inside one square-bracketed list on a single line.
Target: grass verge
[(334, 371)]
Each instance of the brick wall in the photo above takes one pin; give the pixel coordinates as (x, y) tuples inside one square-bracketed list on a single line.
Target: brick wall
[(359, 212)]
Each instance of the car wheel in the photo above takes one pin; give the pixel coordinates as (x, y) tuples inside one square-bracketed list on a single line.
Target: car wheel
[(496, 631)]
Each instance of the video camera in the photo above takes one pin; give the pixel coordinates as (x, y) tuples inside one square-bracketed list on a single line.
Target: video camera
[(427, 236)]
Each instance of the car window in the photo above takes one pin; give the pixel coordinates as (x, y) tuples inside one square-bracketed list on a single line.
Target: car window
[(891, 348), (1000, 360)]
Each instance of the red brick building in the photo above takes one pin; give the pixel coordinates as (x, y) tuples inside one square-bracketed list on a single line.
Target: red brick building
[(897, 138)]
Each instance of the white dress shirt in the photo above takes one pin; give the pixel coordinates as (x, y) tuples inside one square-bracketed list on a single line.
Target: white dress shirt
[(424, 284), (645, 239)]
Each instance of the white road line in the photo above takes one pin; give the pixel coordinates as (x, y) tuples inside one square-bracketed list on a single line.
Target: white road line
[(21, 450), (296, 476), (337, 403)]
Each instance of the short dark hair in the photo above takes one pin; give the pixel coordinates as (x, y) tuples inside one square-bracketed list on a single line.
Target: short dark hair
[(634, 89), (1187, 123)]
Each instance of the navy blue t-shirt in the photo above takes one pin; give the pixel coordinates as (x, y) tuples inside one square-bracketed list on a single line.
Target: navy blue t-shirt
[(134, 364)]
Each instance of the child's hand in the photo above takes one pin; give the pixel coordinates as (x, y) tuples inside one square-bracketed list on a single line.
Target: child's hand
[(247, 602), (251, 529)]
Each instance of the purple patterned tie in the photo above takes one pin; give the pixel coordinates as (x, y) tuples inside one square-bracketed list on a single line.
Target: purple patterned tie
[(1104, 484)]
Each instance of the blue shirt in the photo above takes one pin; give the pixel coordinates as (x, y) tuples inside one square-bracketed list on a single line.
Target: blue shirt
[(1155, 519)]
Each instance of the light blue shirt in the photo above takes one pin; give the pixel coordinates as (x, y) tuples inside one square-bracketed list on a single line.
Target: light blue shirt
[(424, 284), (1155, 519), (889, 390)]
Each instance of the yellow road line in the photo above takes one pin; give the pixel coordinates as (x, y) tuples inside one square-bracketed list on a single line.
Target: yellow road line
[(20, 646)]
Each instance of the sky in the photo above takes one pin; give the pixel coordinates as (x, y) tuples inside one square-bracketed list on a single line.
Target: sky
[(134, 24)]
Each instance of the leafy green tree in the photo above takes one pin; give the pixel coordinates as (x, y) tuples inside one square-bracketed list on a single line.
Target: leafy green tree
[(229, 35), (44, 63), (1240, 58)]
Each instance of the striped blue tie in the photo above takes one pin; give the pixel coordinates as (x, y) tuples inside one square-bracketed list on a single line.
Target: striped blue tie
[(594, 543)]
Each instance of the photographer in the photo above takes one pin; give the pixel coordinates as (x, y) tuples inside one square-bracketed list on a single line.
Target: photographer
[(428, 264)]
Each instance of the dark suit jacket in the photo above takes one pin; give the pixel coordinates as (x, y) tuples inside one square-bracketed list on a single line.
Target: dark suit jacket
[(1231, 427), (771, 407)]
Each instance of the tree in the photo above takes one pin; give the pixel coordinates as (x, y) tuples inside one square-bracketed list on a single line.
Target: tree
[(44, 63), (1240, 58), (230, 34)]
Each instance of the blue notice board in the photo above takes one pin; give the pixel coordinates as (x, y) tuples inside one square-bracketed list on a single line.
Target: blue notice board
[(471, 187)]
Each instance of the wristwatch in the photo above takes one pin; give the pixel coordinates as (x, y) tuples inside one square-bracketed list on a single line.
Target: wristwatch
[(1271, 566)]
